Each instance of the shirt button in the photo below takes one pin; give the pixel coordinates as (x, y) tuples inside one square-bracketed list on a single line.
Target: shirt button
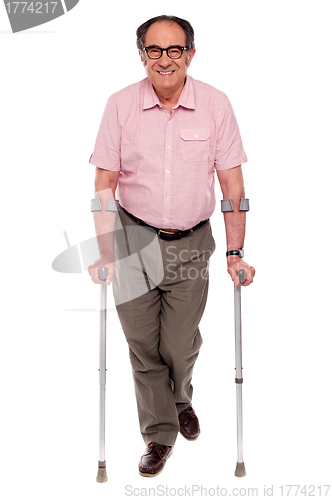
[(166, 196), (167, 171), (168, 147)]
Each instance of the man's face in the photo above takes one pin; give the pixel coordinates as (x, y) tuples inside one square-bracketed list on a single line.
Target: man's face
[(166, 75)]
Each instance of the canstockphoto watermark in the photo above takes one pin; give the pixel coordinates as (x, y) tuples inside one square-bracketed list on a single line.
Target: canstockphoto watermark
[(193, 490), (139, 264), (25, 15), (137, 256), (184, 264), (196, 490)]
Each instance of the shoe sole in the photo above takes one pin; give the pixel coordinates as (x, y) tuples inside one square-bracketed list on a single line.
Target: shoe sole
[(147, 474), (190, 438)]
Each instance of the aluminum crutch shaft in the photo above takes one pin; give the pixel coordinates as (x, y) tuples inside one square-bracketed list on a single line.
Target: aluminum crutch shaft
[(102, 474), (240, 470)]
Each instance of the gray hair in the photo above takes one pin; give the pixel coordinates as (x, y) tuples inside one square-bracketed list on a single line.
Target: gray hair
[(185, 25)]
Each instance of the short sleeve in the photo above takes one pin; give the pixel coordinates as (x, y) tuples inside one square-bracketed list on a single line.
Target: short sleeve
[(107, 148), (229, 149)]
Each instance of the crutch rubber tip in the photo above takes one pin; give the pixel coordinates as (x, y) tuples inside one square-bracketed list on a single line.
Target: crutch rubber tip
[(102, 474), (240, 470)]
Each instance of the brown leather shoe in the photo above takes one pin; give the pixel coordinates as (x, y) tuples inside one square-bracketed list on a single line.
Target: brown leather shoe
[(153, 460), (189, 425)]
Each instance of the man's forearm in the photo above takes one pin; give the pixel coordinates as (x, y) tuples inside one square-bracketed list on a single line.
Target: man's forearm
[(104, 224), (235, 224), (231, 183)]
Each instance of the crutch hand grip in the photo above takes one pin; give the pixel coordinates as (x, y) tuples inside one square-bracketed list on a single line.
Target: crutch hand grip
[(242, 275), (102, 273)]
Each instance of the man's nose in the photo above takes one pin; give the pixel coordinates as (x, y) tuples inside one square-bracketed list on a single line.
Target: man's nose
[(164, 60)]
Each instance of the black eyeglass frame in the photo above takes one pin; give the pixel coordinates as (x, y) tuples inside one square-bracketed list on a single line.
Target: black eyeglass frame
[(165, 50)]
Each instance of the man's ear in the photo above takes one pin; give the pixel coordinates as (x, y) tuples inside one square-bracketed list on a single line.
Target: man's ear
[(141, 55), (191, 55)]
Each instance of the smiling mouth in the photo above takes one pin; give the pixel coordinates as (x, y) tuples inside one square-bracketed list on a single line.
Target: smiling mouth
[(165, 72)]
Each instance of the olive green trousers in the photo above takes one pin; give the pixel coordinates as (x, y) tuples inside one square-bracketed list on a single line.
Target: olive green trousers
[(160, 290)]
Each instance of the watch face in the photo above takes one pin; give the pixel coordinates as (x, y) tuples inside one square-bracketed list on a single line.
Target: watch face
[(241, 253)]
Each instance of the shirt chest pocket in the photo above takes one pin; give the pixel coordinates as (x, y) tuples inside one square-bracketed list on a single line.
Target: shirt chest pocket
[(195, 144)]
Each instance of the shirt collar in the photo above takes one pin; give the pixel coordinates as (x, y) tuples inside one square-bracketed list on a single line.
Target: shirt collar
[(186, 99), (150, 97)]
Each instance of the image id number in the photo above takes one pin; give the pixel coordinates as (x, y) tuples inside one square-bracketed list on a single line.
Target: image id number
[(32, 7), (299, 490)]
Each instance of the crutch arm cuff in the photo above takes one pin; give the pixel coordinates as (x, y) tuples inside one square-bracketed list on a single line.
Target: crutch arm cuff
[(244, 205), (227, 205), (96, 205), (112, 205)]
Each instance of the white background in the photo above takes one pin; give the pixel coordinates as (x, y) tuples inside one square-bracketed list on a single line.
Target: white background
[(272, 59)]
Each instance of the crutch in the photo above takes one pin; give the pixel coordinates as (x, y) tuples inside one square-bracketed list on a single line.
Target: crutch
[(240, 470), (102, 474)]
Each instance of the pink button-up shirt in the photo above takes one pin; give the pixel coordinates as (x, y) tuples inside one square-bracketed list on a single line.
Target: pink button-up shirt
[(167, 161)]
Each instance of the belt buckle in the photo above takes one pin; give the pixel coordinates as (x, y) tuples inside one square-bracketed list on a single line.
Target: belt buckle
[(166, 232)]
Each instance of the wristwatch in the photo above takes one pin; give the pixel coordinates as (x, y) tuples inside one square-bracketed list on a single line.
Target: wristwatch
[(239, 252)]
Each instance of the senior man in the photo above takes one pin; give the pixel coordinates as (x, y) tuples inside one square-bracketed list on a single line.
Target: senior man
[(159, 144)]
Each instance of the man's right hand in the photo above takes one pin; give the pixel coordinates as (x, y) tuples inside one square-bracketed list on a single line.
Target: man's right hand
[(104, 261)]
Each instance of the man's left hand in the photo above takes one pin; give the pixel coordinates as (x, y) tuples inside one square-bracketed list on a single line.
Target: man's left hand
[(234, 264)]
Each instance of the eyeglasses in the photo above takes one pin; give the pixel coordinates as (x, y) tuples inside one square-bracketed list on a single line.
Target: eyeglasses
[(173, 52)]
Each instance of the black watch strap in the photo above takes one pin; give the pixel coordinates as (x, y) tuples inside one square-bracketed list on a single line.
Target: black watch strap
[(239, 252)]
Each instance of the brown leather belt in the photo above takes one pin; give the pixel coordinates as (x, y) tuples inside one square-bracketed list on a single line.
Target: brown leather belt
[(169, 234)]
